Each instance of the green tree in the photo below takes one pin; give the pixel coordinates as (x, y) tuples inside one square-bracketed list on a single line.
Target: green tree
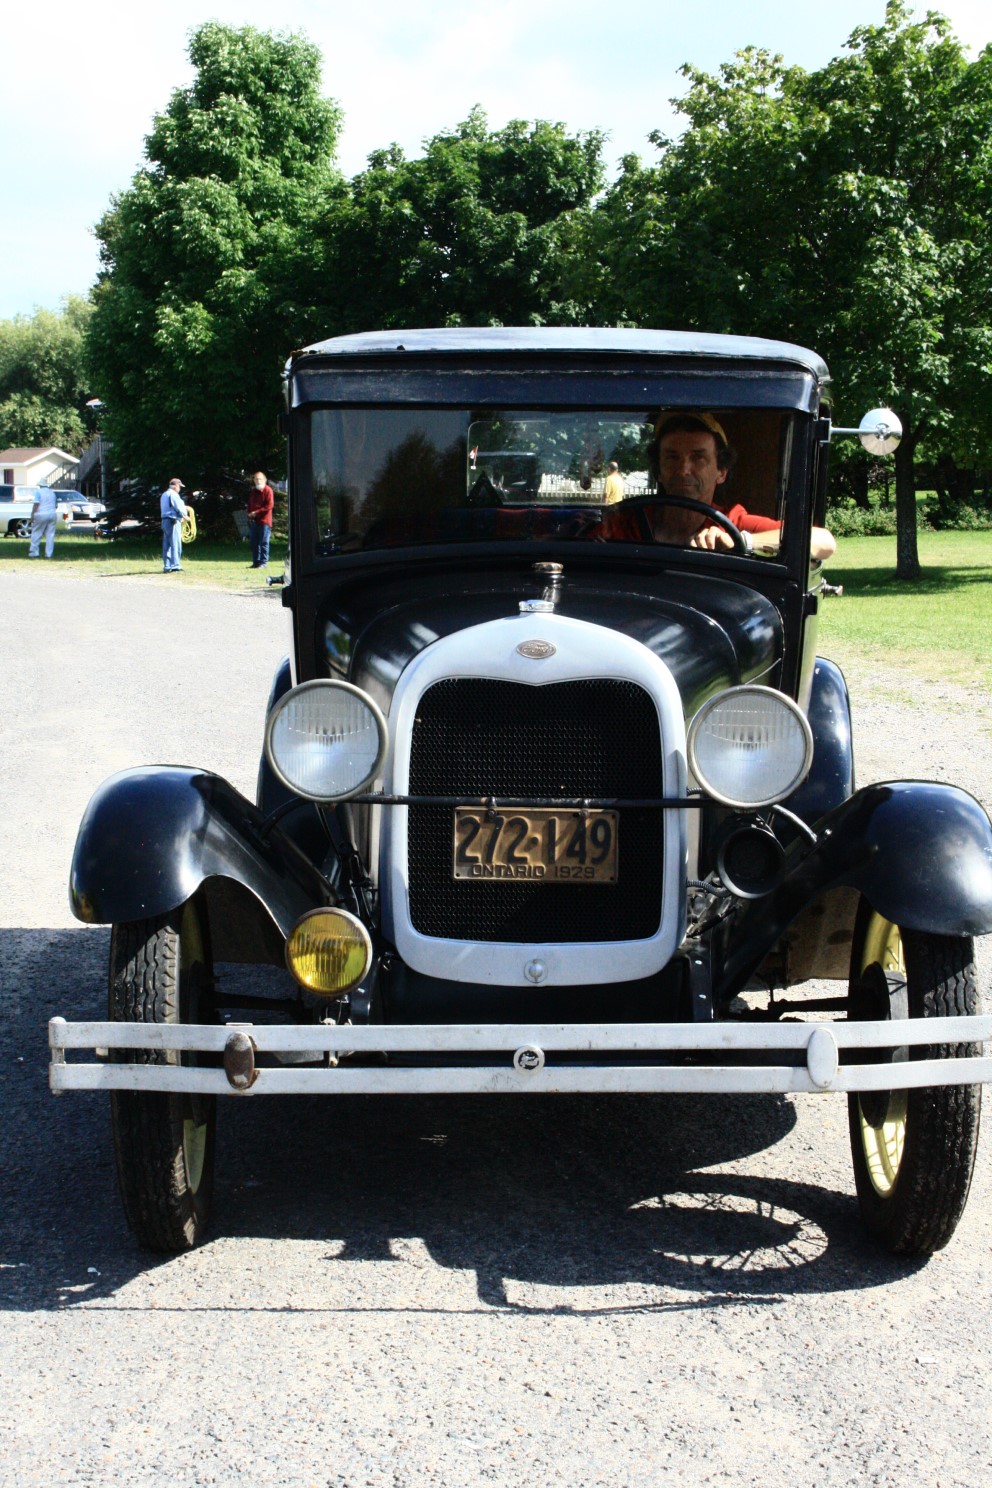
[(198, 300), (43, 388), (475, 232), (845, 208)]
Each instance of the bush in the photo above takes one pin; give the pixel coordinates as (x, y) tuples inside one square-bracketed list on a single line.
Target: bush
[(959, 517), (848, 520)]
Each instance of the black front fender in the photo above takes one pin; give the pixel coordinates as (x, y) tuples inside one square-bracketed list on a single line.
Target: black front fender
[(151, 838), (920, 853), (831, 779)]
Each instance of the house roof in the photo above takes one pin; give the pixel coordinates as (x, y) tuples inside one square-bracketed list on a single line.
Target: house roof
[(32, 455)]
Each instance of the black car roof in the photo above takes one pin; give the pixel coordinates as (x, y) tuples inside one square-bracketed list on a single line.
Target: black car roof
[(571, 340)]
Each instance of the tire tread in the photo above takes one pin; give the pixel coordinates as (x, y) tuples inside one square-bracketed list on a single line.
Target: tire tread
[(144, 987), (942, 1121)]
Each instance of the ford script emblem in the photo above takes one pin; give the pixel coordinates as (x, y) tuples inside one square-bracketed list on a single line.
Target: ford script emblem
[(537, 650)]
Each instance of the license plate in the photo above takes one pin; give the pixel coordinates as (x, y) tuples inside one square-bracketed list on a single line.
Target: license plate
[(543, 845)]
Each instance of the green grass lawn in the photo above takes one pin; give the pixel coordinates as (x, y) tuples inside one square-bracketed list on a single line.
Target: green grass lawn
[(218, 565), (939, 625)]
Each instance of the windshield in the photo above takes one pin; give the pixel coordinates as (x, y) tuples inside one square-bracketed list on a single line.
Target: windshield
[(390, 477)]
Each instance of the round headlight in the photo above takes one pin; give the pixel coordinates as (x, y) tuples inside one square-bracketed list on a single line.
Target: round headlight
[(329, 951), (750, 747), (325, 740)]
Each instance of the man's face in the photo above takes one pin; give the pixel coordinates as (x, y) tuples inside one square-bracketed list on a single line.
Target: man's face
[(687, 465), (259, 480)]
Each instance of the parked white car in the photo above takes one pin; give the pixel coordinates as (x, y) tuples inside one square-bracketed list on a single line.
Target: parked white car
[(16, 503), (15, 512)]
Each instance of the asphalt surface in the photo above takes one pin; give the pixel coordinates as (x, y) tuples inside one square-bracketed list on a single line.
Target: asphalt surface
[(444, 1291)]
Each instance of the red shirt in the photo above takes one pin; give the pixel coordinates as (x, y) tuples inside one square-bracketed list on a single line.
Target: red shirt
[(260, 504), (746, 521), (619, 525)]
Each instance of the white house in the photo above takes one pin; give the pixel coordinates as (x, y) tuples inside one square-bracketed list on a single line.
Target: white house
[(29, 467)]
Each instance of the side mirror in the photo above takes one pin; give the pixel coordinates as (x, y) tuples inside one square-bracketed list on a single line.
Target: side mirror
[(880, 431)]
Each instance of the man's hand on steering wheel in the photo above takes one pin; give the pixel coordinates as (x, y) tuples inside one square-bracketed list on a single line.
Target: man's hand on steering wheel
[(713, 538), (717, 533)]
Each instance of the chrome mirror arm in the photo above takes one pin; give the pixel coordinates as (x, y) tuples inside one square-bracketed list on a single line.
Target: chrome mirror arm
[(880, 431)]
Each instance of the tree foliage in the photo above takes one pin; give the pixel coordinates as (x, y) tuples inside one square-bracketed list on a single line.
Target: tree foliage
[(846, 209), (474, 232), (238, 240), (43, 389), (195, 309)]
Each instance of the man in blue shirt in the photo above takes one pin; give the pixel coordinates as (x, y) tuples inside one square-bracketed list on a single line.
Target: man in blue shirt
[(173, 511)]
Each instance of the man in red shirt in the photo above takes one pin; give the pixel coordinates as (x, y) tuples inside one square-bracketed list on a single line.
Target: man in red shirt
[(694, 459), (260, 504)]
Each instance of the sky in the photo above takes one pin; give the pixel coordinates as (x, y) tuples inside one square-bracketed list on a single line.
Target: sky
[(85, 82)]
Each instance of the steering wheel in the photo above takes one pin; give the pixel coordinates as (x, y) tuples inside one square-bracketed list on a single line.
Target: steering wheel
[(688, 503)]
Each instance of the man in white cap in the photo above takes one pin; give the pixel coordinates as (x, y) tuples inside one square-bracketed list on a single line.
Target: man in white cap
[(173, 511), (43, 515)]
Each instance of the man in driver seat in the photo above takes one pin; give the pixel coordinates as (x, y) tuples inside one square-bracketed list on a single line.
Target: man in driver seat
[(693, 458)]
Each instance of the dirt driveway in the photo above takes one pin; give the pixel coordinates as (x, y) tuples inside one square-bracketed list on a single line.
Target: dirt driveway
[(458, 1292)]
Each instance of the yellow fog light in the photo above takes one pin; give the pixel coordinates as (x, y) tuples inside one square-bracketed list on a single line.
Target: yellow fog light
[(329, 951)]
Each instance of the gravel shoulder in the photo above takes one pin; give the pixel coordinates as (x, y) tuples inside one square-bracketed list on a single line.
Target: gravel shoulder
[(459, 1292)]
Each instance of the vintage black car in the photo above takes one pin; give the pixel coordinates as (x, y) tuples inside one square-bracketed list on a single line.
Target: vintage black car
[(555, 792)]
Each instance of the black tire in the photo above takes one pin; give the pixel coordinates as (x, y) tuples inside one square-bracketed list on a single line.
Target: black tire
[(913, 1150), (161, 972)]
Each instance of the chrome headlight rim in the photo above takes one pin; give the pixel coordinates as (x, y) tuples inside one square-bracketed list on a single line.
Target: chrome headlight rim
[(326, 684), (728, 693)]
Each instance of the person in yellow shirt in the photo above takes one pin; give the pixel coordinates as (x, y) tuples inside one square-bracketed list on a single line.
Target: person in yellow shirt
[(614, 489)]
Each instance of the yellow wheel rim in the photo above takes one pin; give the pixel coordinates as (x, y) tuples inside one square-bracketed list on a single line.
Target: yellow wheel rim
[(194, 1152), (884, 1144)]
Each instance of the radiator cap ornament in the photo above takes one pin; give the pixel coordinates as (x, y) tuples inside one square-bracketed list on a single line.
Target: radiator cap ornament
[(536, 650)]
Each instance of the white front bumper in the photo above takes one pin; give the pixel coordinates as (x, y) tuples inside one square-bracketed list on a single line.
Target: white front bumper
[(497, 1057)]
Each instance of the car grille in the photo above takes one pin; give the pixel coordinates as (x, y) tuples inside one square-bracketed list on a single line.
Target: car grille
[(478, 737)]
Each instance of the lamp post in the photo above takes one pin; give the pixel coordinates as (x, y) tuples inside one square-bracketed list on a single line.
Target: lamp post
[(96, 404)]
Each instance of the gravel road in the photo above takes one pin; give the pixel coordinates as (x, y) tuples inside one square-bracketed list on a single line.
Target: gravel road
[(450, 1292)]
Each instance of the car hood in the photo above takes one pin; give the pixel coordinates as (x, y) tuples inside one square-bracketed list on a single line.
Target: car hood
[(710, 633)]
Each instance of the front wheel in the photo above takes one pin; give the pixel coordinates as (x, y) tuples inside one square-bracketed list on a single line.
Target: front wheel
[(913, 1150), (160, 972)]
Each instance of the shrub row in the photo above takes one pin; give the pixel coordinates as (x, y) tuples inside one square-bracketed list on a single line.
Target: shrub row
[(848, 520)]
